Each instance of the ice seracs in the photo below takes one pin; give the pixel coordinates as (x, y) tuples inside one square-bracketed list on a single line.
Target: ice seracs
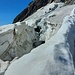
[(20, 38), (16, 40), (45, 26), (49, 19), (52, 58)]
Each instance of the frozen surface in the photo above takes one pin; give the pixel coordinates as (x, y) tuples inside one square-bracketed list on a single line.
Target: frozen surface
[(16, 40), (46, 25), (52, 58), (49, 18)]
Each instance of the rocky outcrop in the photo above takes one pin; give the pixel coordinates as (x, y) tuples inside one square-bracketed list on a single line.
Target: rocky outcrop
[(34, 6)]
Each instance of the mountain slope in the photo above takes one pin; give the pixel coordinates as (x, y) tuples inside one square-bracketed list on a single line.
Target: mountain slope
[(42, 44), (51, 58), (49, 19), (35, 5)]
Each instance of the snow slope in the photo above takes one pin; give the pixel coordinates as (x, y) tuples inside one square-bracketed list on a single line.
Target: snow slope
[(46, 25), (52, 58), (49, 18), (20, 38)]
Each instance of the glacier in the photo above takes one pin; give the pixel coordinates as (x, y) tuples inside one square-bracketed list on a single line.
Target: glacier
[(42, 44), (55, 57)]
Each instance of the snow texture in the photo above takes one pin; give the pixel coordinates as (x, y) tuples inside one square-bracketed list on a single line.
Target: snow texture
[(16, 40), (46, 25), (49, 18), (52, 58)]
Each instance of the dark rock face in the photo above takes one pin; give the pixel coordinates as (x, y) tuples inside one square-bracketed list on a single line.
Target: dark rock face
[(34, 6)]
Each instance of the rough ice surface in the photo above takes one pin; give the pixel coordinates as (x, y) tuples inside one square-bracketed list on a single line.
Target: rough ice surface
[(3, 66), (49, 18), (48, 26), (52, 58), (16, 40)]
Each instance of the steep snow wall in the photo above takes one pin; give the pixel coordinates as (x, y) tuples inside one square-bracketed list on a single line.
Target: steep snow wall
[(52, 58)]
